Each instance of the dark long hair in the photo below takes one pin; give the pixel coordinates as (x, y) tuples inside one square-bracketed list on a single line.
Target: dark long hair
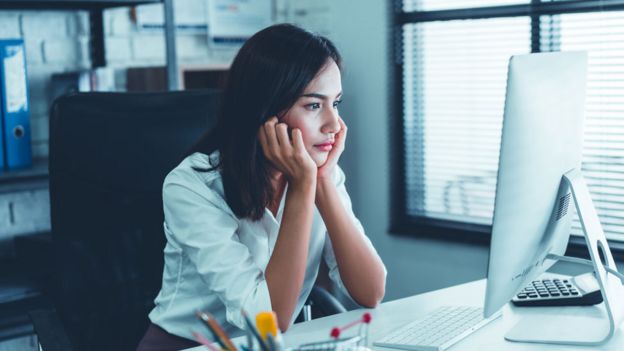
[(268, 75)]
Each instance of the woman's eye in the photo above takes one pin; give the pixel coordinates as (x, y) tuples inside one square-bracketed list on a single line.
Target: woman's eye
[(337, 102), (314, 106)]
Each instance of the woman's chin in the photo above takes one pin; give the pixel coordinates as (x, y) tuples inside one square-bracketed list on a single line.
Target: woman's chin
[(320, 159)]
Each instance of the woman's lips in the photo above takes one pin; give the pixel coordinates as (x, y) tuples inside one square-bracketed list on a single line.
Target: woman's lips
[(325, 147)]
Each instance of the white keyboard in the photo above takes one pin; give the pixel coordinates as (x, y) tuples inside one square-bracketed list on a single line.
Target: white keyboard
[(438, 330)]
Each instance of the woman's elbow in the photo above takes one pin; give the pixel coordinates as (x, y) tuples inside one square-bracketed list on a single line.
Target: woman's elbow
[(283, 317), (373, 299)]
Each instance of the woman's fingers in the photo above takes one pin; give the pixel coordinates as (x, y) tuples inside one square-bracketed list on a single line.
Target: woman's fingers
[(281, 131), (332, 159), (343, 125), (297, 140), (288, 155), (342, 134), (276, 143), (269, 132)]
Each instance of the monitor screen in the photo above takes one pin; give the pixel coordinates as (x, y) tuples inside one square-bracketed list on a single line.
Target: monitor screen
[(541, 140)]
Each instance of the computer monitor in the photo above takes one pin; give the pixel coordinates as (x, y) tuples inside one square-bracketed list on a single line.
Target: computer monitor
[(539, 180), (541, 141)]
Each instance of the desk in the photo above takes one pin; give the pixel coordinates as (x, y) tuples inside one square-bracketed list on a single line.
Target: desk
[(393, 314)]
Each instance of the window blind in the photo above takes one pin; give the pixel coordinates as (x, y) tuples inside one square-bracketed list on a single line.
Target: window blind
[(454, 90), (453, 78), (601, 34)]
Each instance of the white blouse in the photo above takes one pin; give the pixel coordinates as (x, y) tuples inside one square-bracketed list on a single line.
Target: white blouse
[(215, 261)]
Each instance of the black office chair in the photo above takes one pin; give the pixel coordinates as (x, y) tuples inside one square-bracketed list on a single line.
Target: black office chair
[(109, 155)]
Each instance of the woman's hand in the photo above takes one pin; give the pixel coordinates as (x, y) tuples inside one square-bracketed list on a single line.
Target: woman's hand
[(286, 269), (327, 169), (289, 157)]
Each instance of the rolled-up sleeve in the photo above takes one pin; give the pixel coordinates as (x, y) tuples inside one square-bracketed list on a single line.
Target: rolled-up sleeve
[(328, 251), (205, 229)]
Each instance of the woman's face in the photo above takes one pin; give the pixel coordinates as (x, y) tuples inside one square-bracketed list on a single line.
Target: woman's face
[(315, 113)]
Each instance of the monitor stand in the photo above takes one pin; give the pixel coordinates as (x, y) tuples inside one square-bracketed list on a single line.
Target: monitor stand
[(583, 325)]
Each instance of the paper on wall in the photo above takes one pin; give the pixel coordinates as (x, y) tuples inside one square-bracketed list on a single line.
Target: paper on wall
[(231, 22), (189, 16)]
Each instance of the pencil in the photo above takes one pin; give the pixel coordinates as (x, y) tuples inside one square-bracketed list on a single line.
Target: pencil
[(216, 330)]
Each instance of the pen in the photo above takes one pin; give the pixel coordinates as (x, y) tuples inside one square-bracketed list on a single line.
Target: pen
[(216, 330), (253, 330)]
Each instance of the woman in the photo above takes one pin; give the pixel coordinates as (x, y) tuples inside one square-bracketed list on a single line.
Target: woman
[(252, 210)]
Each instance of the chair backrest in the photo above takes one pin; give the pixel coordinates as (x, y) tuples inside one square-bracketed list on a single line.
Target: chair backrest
[(109, 155)]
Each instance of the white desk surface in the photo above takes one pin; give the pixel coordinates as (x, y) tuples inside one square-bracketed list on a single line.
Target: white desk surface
[(394, 314)]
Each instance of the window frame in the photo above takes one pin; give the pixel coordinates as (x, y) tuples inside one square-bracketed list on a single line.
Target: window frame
[(420, 226)]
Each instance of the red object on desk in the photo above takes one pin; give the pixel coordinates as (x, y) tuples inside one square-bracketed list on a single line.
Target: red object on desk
[(366, 319)]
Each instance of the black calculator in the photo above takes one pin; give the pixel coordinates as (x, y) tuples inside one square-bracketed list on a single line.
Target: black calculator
[(580, 290)]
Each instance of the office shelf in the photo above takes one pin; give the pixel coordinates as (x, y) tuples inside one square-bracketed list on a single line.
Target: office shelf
[(38, 171), (96, 19)]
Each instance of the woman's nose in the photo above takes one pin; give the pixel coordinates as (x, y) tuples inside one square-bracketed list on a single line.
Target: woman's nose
[(331, 124)]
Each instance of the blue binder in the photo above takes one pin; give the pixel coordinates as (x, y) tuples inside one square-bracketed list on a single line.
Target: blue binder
[(14, 104)]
